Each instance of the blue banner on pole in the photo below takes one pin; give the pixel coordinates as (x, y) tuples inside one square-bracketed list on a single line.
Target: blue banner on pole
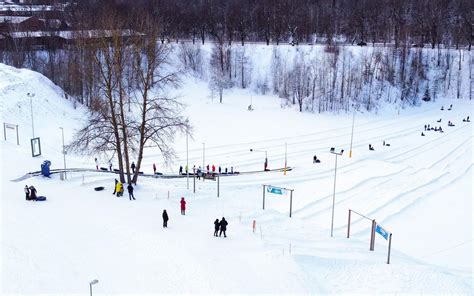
[(381, 231), (274, 190)]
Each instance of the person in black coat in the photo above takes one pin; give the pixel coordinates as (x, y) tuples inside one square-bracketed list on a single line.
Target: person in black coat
[(130, 192), (133, 167), (216, 227), (223, 225), (32, 193), (165, 219), (27, 192), (115, 187)]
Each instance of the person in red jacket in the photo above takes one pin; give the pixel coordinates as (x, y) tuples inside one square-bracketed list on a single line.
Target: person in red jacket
[(183, 206), (213, 168)]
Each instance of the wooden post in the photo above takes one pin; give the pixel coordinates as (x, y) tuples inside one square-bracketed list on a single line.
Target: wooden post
[(389, 248), (291, 201), (372, 236), (264, 197), (349, 224)]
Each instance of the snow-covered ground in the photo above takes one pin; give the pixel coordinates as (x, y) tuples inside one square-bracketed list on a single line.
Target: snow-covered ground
[(418, 188)]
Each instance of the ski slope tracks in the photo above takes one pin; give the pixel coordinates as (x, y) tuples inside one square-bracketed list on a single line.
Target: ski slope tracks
[(418, 188)]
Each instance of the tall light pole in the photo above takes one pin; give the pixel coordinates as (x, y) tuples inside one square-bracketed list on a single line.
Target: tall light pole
[(187, 155), (64, 153), (203, 155), (93, 283), (266, 158), (31, 95), (352, 133), (334, 192)]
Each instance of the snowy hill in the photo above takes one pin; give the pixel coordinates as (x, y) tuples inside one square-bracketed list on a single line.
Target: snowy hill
[(418, 188)]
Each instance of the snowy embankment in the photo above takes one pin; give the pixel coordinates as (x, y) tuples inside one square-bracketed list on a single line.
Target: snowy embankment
[(419, 188)]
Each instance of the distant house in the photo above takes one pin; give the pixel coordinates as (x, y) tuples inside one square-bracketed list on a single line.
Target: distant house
[(21, 23)]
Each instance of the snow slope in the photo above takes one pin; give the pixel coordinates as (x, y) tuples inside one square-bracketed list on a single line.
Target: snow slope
[(419, 188)]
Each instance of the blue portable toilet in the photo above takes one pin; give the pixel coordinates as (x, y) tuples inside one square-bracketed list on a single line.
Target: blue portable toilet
[(45, 168)]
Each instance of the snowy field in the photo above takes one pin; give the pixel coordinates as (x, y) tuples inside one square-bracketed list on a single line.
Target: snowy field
[(418, 188)]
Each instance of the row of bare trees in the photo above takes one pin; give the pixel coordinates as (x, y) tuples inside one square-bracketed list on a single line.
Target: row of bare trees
[(448, 22)]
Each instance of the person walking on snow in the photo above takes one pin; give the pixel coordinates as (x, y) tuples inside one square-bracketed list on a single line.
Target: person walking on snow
[(183, 206), (133, 167), (165, 219), (223, 225), (180, 169), (186, 169), (216, 227), (27, 192), (96, 163), (154, 169), (130, 192), (110, 165), (213, 168)]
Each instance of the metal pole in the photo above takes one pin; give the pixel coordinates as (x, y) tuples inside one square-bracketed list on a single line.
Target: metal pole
[(31, 106), (194, 183), (264, 197), (17, 136), (64, 153), (187, 161), (349, 224), (389, 248), (218, 185), (333, 198), (203, 158), (352, 134), (285, 158), (291, 201), (372, 236), (90, 286)]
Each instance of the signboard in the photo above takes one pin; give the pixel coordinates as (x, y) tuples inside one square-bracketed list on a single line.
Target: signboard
[(381, 231), (274, 190), (35, 147), (10, 126)]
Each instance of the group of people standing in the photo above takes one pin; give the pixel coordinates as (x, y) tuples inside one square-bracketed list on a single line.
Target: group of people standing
[(220, 225), (30, 192), (118, 190)]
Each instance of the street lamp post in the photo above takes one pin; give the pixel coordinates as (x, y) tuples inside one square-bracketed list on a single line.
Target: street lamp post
[(187, 155), (31, 95), (266, 157), (352, 133), (203, 158), (93, 283), (64, 153), (334, 192)]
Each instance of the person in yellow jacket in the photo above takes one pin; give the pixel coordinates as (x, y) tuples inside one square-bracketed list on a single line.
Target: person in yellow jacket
[(119, 188)]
